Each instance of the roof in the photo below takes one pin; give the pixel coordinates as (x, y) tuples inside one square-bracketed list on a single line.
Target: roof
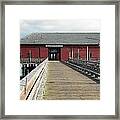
[(61, 38)]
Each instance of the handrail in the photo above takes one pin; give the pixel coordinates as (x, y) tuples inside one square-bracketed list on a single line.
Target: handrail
[(91, 65), (86, 71), (27, 84)]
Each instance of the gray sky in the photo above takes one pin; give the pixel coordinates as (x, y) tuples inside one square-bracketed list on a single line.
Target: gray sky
[(30, 26)]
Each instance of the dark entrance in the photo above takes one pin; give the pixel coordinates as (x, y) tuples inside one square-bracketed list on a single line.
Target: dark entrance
[(54, 54)]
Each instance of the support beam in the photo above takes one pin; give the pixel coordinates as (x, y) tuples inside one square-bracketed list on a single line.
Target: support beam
[(72, 53), (20, 57), (87, 56), (39, 52), (78, 53), (30, 56), (69, 55), (39, 55)]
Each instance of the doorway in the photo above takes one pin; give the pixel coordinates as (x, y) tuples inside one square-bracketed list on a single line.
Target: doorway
[(53, 53)]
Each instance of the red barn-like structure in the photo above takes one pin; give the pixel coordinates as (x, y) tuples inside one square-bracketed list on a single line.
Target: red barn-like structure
[(60, 46)]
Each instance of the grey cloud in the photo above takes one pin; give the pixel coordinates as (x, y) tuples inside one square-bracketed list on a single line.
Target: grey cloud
[(29, 26)]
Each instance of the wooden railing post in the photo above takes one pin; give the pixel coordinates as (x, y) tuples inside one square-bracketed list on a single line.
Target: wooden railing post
[(25, 86)]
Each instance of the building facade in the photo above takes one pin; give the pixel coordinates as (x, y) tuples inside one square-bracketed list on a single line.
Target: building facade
[(60, 46)]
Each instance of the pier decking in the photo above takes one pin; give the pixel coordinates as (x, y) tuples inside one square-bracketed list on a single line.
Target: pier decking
[(64, 83)]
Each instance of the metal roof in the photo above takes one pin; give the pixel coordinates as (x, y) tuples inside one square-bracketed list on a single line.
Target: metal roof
[(61, 38)]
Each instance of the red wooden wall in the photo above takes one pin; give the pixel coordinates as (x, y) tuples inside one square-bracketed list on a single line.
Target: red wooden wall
[(37, 51), (64, 53), (95, 52), (42, 52), (82, 52)]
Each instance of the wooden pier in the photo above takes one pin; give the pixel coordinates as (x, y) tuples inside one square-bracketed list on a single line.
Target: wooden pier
[(57, 81)]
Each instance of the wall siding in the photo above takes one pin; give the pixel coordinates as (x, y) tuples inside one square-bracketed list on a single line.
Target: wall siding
[(42, 52)]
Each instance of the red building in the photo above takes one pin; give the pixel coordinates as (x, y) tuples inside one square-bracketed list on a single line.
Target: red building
[(60, 46)]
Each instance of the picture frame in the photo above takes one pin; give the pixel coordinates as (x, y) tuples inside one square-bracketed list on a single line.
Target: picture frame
[(70, 2)]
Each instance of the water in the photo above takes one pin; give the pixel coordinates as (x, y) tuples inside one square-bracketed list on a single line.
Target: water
[(26, 68)]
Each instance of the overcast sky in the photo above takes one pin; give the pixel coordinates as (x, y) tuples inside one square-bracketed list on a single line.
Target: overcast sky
[(30, 26)]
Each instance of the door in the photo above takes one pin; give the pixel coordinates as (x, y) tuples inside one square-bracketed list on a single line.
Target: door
[(53, 54)]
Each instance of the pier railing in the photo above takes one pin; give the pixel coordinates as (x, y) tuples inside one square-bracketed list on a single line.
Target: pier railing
[(89, 68), (33, 60), (91, 65), (30, 84)]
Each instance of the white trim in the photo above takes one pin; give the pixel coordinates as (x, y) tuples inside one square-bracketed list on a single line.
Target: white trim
[(54, 46), (72, 53)]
